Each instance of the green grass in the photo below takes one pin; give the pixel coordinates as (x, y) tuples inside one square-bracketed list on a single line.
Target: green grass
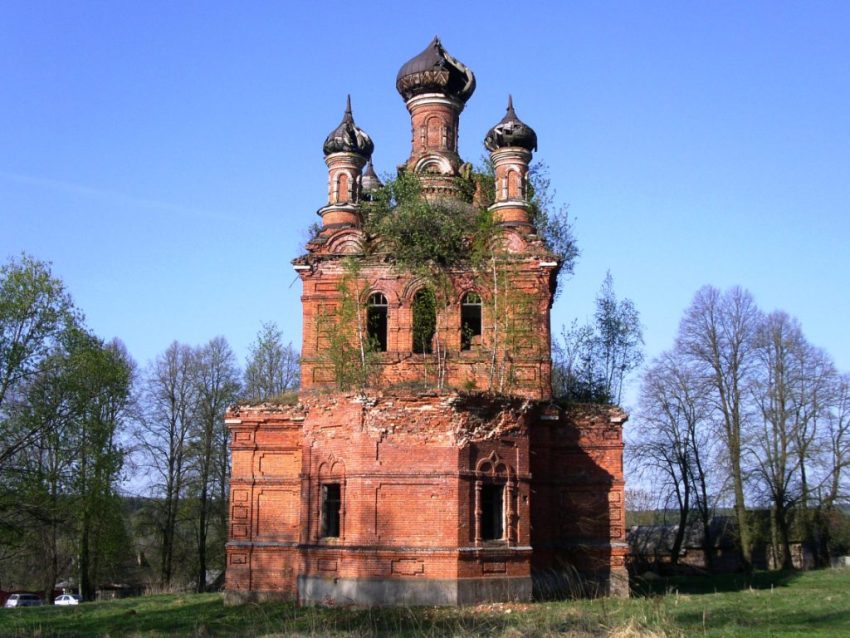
[(767, 604)]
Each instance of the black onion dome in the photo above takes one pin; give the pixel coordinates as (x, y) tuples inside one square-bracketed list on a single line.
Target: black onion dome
[(511, 131), (435, 71), (370, 181), (348, 138)]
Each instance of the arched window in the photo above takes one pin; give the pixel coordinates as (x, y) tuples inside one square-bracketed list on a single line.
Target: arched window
[(342, 194), (331, 503), (424, 321), (470, 321), (376, 321), (495, 501), (514, 185), (435, 132)]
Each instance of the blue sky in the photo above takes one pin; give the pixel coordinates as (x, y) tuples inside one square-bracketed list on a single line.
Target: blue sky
[(167, 157)]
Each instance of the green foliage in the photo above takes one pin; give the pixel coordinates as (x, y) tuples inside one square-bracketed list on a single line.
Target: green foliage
[(272, 368), (66, 475), (420, 236), (591, 361), (35, 309), (350, 352), (64, 399), (551, 220), (424, 320)]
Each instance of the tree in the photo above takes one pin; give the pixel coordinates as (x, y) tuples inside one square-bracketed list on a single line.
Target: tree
[(272, 369), (779, 345), (35, 310), (838, 443), (671, 449), (101, 378), (619, 339), (170, 411), (573, 374), (67, 474), (592, 361), (217, 385), (717, 334)]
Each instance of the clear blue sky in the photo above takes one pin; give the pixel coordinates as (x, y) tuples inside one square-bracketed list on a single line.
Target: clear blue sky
[(166, 156)]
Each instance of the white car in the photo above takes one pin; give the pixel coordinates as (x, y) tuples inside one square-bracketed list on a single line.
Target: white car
[(67, 599), (23, 600)]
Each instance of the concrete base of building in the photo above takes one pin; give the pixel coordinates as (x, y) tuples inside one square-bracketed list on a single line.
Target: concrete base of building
[(555, 584), (384, 592)]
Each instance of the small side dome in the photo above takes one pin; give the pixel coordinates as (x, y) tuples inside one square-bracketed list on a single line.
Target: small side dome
[(511, 131), (435, 71), (348, 138), (370, 181)]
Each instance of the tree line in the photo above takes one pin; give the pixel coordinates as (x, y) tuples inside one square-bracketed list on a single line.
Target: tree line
[(79, 419), (744, 412)]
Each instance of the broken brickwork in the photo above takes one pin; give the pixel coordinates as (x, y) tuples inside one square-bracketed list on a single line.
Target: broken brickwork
[(411, 471)]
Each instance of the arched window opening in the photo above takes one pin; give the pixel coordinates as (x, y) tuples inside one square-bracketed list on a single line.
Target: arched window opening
[(424, 321), (342, 194), (435, 132), (495, 501), (514, 185), (470, 321), (376, 321)]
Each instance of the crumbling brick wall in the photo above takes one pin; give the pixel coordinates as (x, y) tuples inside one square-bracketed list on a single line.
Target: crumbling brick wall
[(412, 471)]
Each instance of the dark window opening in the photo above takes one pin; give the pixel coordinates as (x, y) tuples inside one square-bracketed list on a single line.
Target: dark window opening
[(331, 506), (376, 322), (492, 512), (424, 321), (470, 320)]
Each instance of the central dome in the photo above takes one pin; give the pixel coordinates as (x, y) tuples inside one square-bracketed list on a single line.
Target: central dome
[(435, 71)]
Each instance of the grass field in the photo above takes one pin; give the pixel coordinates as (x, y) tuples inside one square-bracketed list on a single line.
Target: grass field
[(768, 604)]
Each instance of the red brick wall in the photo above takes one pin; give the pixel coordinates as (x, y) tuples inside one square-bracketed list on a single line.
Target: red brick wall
[(408, 467), (522, 351)]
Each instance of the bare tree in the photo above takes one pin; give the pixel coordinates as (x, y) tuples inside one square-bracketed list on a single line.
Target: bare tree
[(813, 396), (170, 397), (671, 448), (838, 444), (779, 341), (272, 368), (717, 334), (217, 384)]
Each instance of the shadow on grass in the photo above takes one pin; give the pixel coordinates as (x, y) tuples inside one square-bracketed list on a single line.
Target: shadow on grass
[(711, 583)]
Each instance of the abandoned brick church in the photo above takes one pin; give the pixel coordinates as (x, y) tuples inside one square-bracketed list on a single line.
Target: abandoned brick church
[(451, 477)]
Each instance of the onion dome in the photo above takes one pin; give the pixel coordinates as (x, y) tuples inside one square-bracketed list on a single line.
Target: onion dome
[(370, 181), (511, 131), (435, 71), (348, 138)]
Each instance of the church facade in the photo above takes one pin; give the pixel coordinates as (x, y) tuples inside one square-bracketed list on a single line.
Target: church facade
[(449, 476)]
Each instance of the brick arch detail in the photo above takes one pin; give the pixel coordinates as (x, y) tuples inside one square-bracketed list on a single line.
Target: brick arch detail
[(346, 242), (464, 290), (445, 168), (493, 469), (494, 466), (408, 292), (393, 298)]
